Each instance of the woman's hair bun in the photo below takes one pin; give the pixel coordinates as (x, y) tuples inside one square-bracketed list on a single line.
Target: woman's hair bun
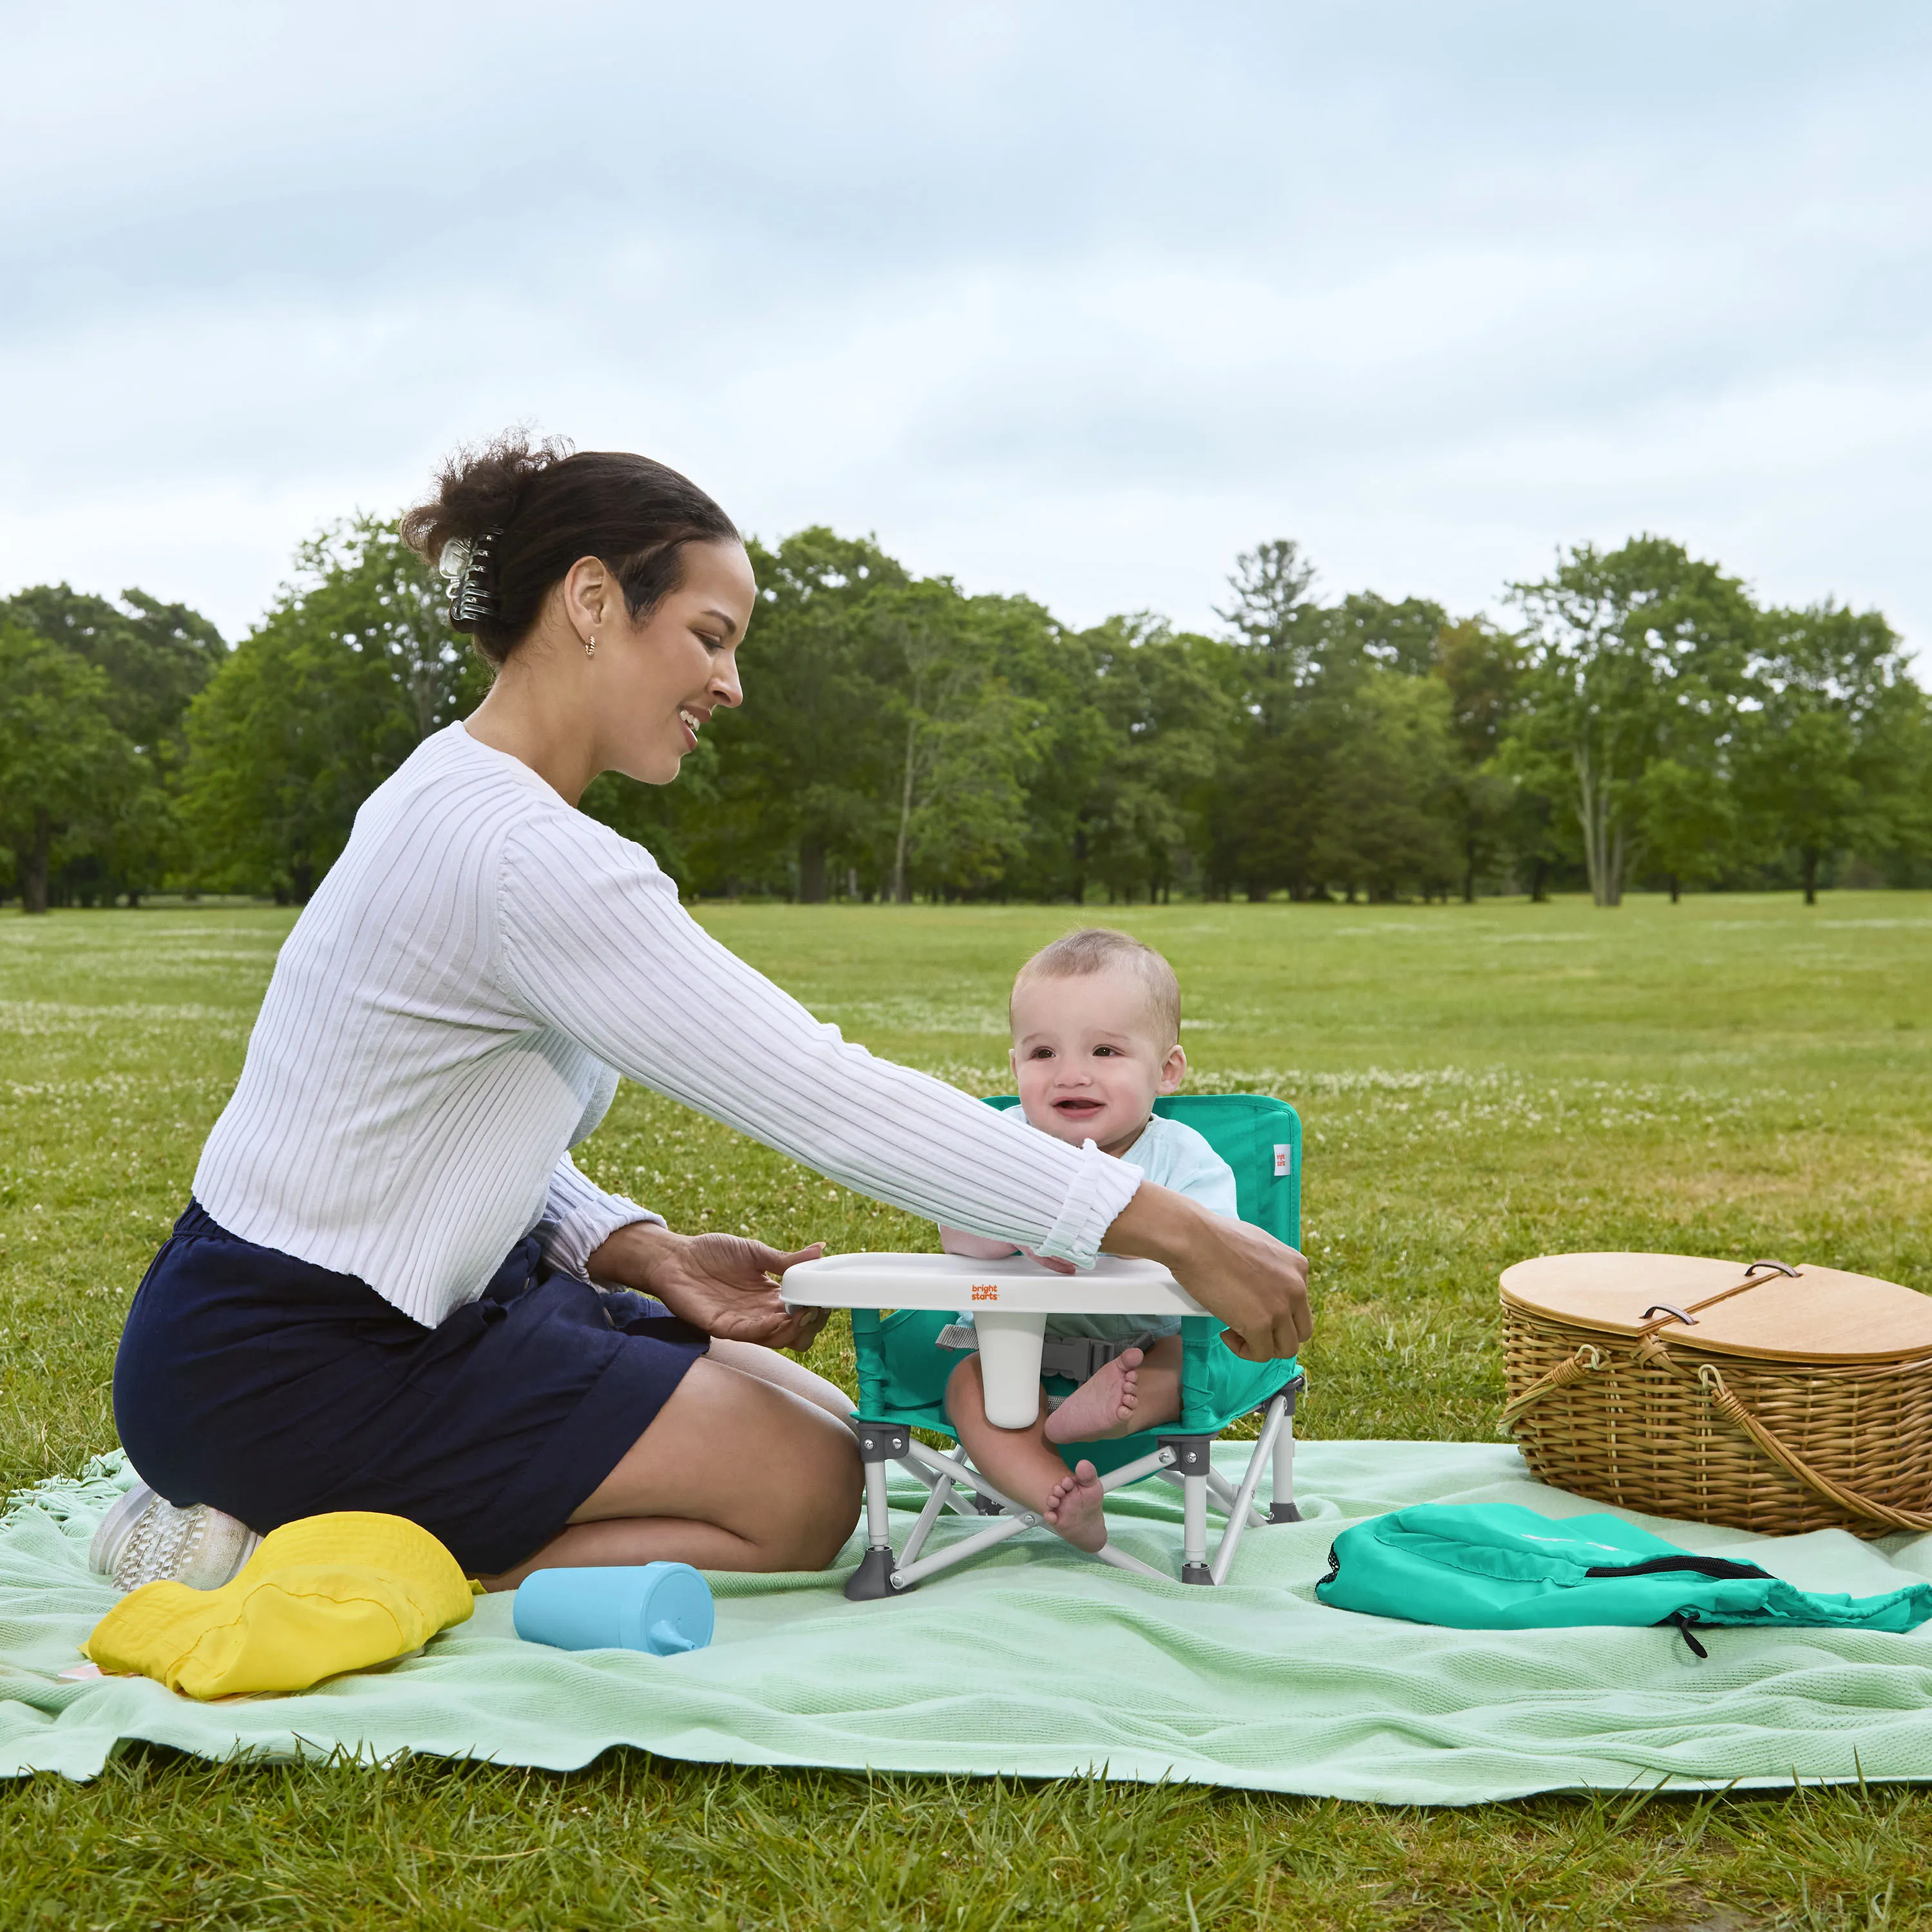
[(478, 490), (523, 512)]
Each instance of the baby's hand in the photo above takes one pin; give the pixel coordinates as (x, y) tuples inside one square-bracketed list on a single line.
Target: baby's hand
[(1052, 1261), (974, 1247)]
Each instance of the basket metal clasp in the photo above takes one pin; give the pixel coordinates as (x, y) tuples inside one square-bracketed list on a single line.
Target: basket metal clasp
[(1665, 1308), (1779, 1266)]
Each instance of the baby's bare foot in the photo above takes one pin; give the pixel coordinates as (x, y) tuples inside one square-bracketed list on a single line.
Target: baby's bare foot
[(1103, 1405), (1077, 1508)]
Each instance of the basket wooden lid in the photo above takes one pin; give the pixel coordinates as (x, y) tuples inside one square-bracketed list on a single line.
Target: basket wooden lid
[(1812, 1315)]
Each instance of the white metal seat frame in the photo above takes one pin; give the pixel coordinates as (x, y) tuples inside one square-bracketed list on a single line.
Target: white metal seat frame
[(1011, 1301)]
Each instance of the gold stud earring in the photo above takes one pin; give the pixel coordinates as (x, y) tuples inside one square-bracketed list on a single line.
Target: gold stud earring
[(590, 645)]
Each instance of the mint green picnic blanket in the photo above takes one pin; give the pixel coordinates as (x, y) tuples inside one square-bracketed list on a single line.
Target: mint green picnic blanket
[(1039, 1664)]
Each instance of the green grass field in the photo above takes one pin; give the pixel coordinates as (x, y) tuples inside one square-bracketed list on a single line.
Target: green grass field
[(1729, 1076)]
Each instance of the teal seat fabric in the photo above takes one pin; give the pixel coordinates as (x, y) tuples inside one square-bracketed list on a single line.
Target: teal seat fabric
[(902, 1370), (1499, 1566)]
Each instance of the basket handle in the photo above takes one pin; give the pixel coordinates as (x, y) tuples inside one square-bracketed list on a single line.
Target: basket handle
[(1573, 1368), (1710, 1384), (1667, 1313)]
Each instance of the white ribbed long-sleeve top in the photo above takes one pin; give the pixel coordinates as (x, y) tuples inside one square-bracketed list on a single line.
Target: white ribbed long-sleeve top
[(451, 1012)]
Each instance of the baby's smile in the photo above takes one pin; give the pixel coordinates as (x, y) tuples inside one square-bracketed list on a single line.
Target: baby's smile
[(1077, 1108)]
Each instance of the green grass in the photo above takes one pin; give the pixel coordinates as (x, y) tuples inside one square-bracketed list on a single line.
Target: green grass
[(1729, 1075)]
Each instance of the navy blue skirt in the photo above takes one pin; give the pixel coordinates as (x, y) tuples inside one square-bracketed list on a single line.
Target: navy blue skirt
[(275, 1389)]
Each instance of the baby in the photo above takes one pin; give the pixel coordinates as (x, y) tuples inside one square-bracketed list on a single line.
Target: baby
[(1096, 1036)]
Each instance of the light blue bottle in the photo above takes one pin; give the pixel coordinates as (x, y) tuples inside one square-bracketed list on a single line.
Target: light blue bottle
[(662, 1608)]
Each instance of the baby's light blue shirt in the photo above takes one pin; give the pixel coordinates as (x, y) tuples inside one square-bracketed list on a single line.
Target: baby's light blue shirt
[(1170, 1154)]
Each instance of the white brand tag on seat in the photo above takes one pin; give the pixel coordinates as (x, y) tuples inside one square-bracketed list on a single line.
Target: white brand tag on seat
[(1284, 1160)]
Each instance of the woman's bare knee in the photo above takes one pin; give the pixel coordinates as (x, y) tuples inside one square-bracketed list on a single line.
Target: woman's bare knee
[(815, 1528), (797, 1509), (731, 1449)]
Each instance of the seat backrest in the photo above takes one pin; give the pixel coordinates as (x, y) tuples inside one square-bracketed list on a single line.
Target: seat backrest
[(1259, 1137)]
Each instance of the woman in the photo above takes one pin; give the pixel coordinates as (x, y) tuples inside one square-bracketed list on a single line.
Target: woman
[(392, 1290)]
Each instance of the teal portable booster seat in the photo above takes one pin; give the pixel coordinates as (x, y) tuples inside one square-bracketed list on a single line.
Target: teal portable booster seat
[(903, 1372)]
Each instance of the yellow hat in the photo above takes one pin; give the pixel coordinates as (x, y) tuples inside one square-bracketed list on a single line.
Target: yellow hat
[(321, 1596)]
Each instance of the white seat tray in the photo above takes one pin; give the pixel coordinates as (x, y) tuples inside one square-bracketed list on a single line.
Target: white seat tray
[(1008, 1300), (1015, 1285)]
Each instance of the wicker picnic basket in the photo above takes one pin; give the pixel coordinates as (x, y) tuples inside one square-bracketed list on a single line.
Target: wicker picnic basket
[(1773, 1398)]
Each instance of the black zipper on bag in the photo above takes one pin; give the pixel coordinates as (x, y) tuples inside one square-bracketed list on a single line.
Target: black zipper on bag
[(1719, 1566)]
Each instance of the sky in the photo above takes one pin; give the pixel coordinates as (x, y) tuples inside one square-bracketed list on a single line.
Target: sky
[(1074, 300)]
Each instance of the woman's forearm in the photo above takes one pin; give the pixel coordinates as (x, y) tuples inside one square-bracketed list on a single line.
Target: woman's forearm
[(1257, 1285), (594, 945)]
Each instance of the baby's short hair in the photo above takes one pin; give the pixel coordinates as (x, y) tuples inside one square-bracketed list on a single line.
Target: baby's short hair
[(1096, 949)]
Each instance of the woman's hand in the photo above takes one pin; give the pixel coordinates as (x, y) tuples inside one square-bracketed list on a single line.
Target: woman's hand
[(724, 1284), (1257, 1285)]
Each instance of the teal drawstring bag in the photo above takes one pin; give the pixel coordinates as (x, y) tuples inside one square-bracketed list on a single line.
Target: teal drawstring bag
[(1499, 1566)]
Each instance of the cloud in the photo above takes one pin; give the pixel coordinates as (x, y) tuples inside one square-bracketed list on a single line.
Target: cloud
[(1077, 301)]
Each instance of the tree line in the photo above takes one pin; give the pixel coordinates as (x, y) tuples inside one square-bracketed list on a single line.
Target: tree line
[(1641, 721)]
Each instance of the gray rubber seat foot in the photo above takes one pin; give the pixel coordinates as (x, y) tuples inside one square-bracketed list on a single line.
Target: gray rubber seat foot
[(873, 1578)]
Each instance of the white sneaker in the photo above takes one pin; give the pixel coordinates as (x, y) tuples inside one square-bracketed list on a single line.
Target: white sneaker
[(145, 1539)]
